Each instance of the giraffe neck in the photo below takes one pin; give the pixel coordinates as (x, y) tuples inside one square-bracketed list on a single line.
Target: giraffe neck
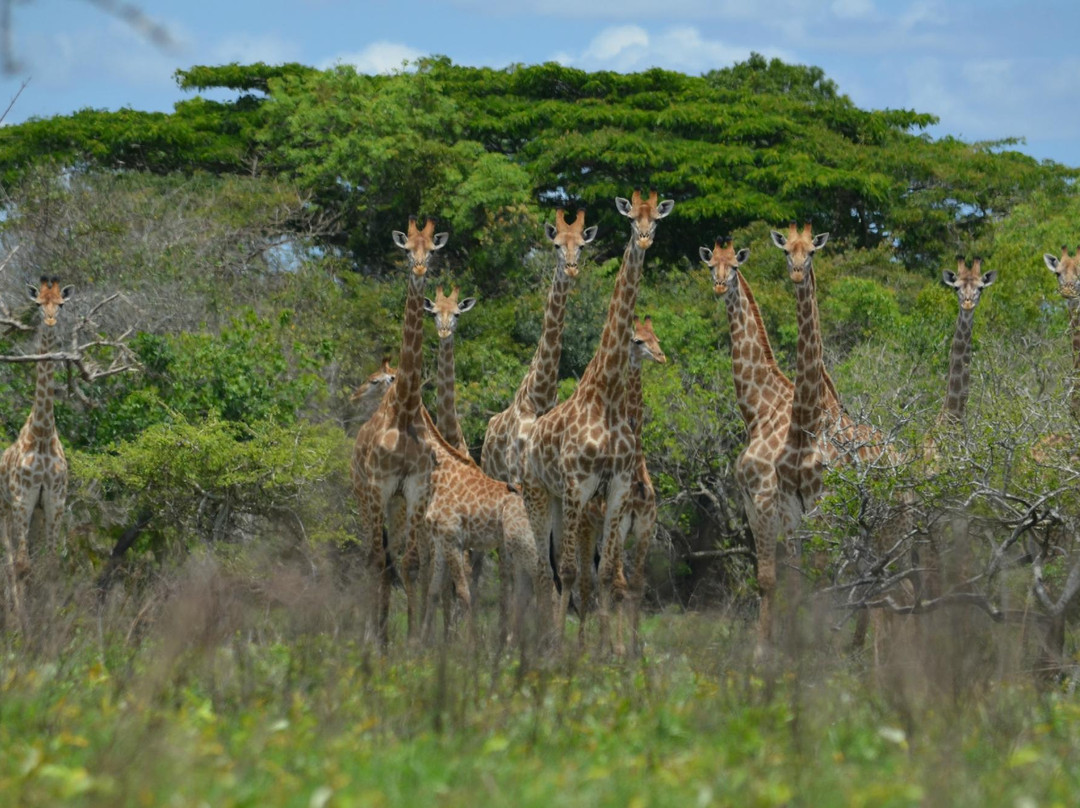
[(445, 402), (808, 406), (407, 384), (761, 388), (539, 389), (607, 370), (635, 400), (42, 420), (956, 395)]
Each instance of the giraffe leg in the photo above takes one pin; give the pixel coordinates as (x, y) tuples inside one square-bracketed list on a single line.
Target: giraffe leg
[(644, 530), (461, 601), (611, 582), (520, 545), (435, 585), (765, 537), (12, 601), (543, 512), (568, 557), (378, 572), (52, 504), (416, 489), (505, 588), (19, 530)]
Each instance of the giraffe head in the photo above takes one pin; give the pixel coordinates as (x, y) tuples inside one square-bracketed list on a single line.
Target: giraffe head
[(643, 215), (1067, 269), (724, 263), (645, 344), (968, 282), (446, 310), (370, 394), (419, 244), (50, 297), (799, 247), (569, 239)]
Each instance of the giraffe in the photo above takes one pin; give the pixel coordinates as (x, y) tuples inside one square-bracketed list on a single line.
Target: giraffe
[(585, 447), (641, 513), (33, 468), (764, 396), (468, 511), (819, 433), (969, 284), (471, 512), (538, 393), (1067, 269), (446, 309), (392, 455)]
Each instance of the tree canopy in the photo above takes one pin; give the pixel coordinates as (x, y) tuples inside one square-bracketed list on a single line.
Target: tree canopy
[(486, 150)]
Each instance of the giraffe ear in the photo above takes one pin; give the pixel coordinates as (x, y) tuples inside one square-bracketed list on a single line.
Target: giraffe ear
[(400, 239), (742, 255), (1051, 262), (989, 277), (820, 240), (664, 208), (439, 240), (589, 234), (948, 277), (550, 231), (622, 204), (778, 238), (429, 306), (466, 304), (33, 290), (65, 293), (705, 253)]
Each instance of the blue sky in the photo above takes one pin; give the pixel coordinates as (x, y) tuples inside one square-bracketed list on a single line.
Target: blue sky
[(988, 69)]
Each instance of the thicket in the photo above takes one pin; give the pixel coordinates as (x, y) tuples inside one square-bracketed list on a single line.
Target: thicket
[(251, 241)]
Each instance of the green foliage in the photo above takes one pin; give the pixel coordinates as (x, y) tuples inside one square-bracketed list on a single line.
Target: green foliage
[(195, 477), (482, 148)]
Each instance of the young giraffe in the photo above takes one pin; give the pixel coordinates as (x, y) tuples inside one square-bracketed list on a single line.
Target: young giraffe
[(33, 469), (468, 511), (820, 433), (969, 284), (641, 514), (538, 393), (471, 512), (446, 310), (585, 447), (393, 454), (1067, 269)]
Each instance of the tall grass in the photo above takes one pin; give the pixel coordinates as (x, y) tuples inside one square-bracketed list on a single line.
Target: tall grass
[(237, 678)]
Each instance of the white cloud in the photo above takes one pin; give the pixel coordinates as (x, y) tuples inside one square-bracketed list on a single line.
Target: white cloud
[(628, 48), (611, 42), (922, 13), (378, 57)]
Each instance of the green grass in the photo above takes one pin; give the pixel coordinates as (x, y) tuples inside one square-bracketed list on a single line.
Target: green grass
[(218, 700)]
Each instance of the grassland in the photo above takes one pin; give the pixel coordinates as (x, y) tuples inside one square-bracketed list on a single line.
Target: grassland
[(226, 685)]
